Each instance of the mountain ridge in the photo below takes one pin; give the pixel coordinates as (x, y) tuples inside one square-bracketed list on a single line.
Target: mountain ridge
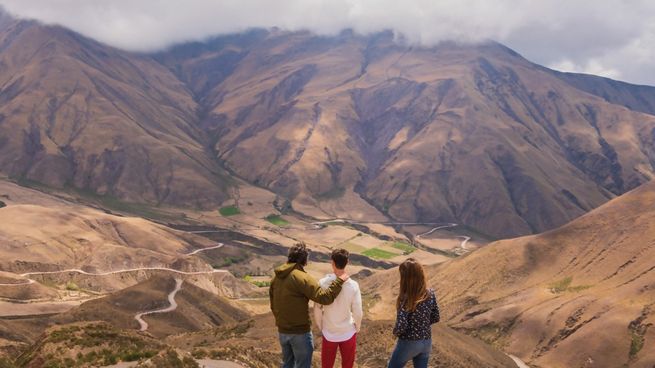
[(345, 126)]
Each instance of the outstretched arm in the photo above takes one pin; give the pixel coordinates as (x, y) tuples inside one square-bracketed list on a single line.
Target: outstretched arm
[(313, 291)]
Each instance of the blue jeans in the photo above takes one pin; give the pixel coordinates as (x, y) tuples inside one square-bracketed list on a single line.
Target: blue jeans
[(418, 351), (297, 350)]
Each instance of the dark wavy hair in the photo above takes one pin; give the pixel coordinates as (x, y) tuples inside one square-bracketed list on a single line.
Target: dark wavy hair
[(298, 254), (340, 258)]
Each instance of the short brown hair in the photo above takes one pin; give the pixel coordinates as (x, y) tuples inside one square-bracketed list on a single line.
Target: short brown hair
[(340, 258), (298, 254)]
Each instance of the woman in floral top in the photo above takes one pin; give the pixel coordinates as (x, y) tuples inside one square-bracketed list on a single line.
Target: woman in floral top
[(417, 310)]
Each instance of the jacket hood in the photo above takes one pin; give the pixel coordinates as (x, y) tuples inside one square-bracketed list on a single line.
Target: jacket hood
[(285, 270)]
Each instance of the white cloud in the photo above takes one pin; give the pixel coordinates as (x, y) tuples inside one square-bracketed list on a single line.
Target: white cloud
[(592, 66), (608, 37)]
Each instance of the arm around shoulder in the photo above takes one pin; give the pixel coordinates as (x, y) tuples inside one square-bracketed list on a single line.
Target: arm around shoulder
[(313, 291)]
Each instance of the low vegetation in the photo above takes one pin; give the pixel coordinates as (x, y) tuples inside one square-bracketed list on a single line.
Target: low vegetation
[(229, 211), (71, 286), (378, 253), (258, 283), (638, 329), (227, 262), (636, 344), (276, 220), (406, 248), (564, 285), (90, 345), (2, 204)]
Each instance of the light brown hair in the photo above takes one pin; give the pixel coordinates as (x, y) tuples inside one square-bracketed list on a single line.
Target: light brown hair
[(412, 285)]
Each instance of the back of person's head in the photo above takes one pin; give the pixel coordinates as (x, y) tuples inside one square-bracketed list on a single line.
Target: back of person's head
[(340, 258), (298, 254), (412, 285)]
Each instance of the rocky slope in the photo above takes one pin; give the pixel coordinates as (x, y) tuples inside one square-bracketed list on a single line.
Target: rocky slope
[(78, 114), (39, 232), (469, 134)]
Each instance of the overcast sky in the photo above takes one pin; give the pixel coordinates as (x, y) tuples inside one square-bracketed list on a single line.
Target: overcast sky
[(612, 38)]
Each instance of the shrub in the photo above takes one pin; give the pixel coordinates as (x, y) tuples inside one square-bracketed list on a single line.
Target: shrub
[(276, 220), (229, 211)]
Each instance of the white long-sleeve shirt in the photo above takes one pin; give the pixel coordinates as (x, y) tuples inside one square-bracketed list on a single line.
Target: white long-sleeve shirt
[(340, 320)]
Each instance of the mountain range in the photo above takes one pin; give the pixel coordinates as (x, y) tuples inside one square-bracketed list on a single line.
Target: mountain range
[(344, 126), (395, 146)]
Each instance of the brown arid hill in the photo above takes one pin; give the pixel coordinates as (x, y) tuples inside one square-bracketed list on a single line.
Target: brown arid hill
[(475, 134), (98, 344), (78, 114), (197, 309), (254, 343), (40, 232), (582, 295)]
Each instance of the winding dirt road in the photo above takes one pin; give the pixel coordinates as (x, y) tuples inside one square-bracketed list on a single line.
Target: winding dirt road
[(172, 306), (219, 245), (435, 229), (29, 281), (466, 240)]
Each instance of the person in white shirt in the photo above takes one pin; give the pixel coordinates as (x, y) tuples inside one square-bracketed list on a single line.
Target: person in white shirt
[(340, 321)]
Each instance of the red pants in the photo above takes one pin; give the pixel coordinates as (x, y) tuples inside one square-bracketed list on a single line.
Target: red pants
[(329, 352)]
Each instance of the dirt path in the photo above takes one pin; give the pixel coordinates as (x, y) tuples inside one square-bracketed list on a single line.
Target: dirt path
[(170, 308), (209, 363), (23, 282), (29, 281), (219, 245), (76, 270), (203, 363), (463, 243), (435, 229), (519, 362)]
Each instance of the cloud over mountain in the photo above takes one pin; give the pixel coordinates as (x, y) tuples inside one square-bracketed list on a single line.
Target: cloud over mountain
[(610, 38)]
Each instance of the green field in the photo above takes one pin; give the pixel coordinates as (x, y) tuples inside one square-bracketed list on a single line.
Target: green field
[(229, 211), (276, 220), (406, 248), (378, 253)]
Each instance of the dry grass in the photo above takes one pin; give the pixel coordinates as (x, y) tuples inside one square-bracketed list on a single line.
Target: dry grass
[(515, 294)]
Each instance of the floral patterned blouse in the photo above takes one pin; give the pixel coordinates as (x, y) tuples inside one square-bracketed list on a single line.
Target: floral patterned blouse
[(416, 325)]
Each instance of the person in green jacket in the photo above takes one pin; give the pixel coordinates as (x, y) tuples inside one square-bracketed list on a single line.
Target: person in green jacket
[(291, 290)]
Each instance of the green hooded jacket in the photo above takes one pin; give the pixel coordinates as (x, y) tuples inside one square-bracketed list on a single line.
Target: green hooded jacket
[(291, 290)]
